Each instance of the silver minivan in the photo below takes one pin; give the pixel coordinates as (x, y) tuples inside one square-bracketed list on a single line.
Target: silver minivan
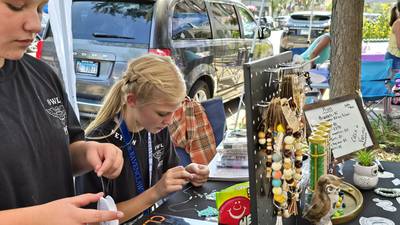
[(209, 40), (295, 34)]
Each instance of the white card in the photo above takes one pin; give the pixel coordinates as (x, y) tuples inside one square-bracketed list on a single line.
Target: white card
[(396, 181), (107, 203), (385, 174)]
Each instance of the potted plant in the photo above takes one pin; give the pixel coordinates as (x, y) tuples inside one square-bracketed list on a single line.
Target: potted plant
[(365, 170)]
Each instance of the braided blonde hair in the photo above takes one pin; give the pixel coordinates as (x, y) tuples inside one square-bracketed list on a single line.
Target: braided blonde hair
[(151, 78)]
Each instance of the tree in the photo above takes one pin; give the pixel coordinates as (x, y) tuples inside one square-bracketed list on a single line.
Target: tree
[(279, 6), (346, 37)]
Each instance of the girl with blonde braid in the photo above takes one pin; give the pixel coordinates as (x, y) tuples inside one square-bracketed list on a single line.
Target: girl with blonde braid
[(134, 116)]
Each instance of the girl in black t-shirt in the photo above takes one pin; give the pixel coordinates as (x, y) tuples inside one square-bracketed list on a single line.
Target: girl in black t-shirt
[(41, 143), (135, 115)]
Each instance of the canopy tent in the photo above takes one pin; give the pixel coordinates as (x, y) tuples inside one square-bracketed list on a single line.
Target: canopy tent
[(60, 14)]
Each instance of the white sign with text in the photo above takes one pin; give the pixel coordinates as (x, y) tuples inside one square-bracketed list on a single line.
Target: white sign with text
[(349, 132)]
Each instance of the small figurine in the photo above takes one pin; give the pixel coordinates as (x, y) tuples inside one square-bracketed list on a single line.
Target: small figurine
[(325, 196)]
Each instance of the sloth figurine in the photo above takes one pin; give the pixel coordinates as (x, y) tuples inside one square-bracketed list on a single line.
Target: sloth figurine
[(325, 195)]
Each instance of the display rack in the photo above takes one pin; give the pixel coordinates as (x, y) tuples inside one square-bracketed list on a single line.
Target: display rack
[(262, 78)]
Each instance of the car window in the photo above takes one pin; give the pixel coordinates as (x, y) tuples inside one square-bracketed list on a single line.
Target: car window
[(321, 18), (190, 21), (307, 17), (115, 21), (225, 21), (248, 23)]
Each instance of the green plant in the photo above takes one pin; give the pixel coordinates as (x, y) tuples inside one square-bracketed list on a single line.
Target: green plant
[(385, 132), (365, 157), (378, 29)]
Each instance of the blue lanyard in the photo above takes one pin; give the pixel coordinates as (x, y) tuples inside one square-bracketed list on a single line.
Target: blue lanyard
[(133, 160)]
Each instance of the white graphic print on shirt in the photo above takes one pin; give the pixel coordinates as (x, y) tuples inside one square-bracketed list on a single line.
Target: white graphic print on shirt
[(57, 110), (158, 154)]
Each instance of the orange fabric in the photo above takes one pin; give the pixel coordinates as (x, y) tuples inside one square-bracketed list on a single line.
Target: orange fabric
[(192, 131)]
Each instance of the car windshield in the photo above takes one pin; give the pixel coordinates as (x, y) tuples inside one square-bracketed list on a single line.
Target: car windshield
[(112, 21), (307, 17)]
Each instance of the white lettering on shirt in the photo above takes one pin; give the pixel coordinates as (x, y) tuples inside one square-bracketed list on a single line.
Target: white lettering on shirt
[(53, 101)]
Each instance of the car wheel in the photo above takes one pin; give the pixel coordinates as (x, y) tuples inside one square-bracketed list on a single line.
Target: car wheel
[(200, 91)]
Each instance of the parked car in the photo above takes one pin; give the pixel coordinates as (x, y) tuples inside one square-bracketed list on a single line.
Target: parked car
[(295, 35), (267, 21), (281, 21), (372, 17), (209, 41)]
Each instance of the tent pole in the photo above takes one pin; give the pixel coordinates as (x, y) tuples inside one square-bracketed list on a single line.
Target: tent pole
[(256, 30)]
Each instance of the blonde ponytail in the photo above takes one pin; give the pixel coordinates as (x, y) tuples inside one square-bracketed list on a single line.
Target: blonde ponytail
[(151, 78), (112, 104)]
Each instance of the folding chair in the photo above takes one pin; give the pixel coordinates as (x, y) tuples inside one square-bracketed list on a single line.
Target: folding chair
[(375, 85)]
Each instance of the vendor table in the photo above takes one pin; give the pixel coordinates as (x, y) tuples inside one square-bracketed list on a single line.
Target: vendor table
[(370, 209), (174, 207), (319, 78)]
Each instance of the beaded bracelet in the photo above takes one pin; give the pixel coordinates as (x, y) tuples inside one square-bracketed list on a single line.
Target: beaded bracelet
[(388, 192)]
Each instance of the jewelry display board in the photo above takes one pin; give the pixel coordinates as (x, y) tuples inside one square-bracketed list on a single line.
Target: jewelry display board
[(262, 78)]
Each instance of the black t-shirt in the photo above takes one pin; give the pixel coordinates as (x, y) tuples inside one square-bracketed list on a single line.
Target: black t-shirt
[(124, 186), (37, 124)]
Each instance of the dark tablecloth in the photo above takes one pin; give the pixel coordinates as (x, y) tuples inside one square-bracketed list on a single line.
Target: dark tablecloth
[(198, 202), (370, 208)]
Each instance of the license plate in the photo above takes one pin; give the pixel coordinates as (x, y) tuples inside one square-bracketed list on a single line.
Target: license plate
[(304, 32), (87, 66)]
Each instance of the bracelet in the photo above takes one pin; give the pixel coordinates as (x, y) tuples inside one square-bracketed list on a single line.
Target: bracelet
[(388, 192)]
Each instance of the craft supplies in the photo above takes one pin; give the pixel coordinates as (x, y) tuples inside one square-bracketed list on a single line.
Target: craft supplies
[(180, 206), (107, 204), (388, 192), (385, 205), (318, 159), (208, 212), (283, 149), (385, 174), (396, 181), (375, 220), (324, 129)]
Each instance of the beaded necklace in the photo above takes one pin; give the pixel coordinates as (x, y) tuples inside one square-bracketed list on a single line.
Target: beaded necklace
[(388, 192), (283, 165)]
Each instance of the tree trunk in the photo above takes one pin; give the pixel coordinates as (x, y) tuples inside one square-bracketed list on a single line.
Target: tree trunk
[(346, 37)]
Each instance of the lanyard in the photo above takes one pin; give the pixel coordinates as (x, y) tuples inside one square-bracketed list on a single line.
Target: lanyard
[(133, 160)]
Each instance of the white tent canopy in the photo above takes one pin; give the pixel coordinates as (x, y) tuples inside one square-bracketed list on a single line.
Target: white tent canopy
[(60, 20)]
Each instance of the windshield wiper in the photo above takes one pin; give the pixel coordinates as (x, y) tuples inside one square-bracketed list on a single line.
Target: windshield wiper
[(104, 35)]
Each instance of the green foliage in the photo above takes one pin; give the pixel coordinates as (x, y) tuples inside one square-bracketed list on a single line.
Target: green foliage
[(378, 29), (365, 157), (385, 132)]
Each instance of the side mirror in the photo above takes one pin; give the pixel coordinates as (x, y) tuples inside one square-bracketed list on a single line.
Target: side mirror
[(264, 32)]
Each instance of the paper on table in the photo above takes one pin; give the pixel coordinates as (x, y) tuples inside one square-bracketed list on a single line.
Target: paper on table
[(396, 181), (385, 174)]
